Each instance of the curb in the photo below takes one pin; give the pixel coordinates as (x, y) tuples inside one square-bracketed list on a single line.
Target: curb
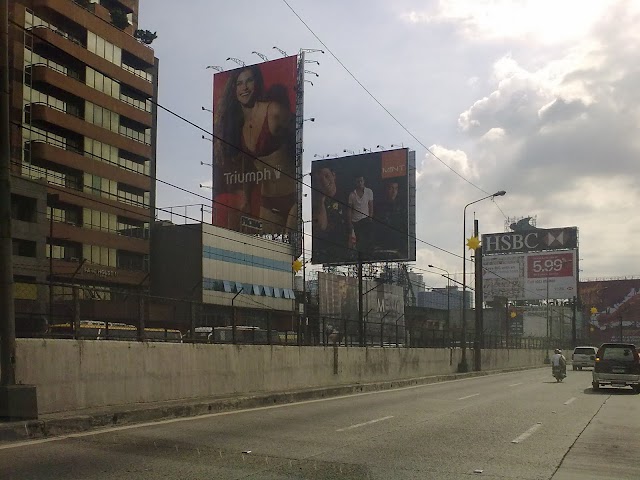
[(127, 415)]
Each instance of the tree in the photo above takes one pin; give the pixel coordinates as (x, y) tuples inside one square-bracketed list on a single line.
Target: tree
[(145, 36), (119, 18)]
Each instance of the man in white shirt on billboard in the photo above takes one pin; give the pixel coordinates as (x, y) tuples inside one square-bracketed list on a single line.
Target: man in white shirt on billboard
[(359, 216)]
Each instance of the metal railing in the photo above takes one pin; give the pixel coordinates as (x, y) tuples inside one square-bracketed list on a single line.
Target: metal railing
[(64, 308)]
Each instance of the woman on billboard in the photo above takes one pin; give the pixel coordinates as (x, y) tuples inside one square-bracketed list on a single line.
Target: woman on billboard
[(256, 153)]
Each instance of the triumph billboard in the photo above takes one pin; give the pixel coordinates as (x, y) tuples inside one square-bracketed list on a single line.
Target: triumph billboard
[(363, 208), (254, 148)]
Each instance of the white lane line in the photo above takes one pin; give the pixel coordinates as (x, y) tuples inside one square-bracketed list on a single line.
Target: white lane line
[(156, 423), (469, 396), (363, 424), (515, 384), (571, 400), (527, 434)]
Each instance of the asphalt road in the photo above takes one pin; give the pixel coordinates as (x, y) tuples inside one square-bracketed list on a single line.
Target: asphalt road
[(507, 426)]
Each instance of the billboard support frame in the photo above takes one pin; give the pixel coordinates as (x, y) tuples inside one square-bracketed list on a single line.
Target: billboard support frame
[(297, 235)]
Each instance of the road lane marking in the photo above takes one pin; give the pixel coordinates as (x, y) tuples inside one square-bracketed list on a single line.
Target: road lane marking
[(469, 396), (157, 423), (527, 434), (571, 400), (515, 384), (363, 424)]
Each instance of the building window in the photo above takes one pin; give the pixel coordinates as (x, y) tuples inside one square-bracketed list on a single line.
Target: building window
[(104, 49), (102, 83), (97, 220), (24, 208), (131, 260), (23, 248), (100, 255), (102, 117)]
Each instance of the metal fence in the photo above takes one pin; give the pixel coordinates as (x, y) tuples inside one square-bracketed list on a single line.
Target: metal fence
[(61, 310)]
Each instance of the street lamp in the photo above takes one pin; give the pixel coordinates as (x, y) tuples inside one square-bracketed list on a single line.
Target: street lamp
[(233, 316), (448, 293), (463, 361)]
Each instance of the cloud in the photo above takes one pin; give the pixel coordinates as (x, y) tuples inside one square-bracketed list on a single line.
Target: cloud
[(547, 21), (563, 136)]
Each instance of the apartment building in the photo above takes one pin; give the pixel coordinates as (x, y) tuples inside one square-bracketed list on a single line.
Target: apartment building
[(83, 122)]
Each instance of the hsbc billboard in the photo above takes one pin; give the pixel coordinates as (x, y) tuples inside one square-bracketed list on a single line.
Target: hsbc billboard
[(531, 241), (530, 276)]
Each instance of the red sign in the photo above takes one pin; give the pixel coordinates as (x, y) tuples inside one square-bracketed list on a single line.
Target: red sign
[(550, 265)]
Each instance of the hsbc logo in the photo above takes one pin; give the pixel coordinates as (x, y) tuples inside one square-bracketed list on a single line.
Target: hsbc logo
[(542, 239)]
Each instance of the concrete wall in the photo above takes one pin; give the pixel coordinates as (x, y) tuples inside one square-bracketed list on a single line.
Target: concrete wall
[(72, 375)]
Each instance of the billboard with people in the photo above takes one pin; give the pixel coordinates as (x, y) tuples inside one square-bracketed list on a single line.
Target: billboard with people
[(361, 208), (254, 157)]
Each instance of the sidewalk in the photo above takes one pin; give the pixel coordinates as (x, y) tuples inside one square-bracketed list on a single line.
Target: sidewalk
[(608, 447), (64, 423)]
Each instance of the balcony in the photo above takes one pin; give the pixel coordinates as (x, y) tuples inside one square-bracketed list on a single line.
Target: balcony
[(114, 71), (45, 151), (42, 73), (92, 22), (99, 237), (83, 199), (44, 113), (89, 272)]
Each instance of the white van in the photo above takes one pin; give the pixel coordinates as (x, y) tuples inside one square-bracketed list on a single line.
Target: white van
[(584, 357)]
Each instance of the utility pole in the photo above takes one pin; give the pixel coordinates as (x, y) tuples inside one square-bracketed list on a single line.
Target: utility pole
[(360, 313), (478, 303), (17, 402), (573, 322), (7, 306)]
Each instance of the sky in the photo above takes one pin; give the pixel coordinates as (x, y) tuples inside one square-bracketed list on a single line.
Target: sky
[(539, 98)]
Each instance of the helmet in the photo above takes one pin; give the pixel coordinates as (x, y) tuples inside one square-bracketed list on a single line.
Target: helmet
[(558, 350)]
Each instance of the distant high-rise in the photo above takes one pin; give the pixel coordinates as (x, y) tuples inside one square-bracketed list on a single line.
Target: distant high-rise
[(83, 120)]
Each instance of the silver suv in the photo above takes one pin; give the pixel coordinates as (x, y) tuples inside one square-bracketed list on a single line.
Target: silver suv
[(618, 365), (583, 357)]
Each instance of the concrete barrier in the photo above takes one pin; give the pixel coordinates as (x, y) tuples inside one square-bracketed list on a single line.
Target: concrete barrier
[(77, 374)]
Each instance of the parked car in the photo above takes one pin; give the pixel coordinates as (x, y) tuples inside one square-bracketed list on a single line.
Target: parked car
[(583, 357), (618, 365)]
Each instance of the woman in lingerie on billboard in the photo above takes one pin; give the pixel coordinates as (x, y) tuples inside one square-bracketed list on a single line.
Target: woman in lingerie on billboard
[(261, 182)]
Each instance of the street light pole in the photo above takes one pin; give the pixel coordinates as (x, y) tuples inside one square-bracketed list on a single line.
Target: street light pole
[(233, 314), (463, 367), (546, 358)]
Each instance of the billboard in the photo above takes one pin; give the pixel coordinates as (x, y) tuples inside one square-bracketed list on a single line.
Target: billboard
[(530, 241), (363, 208), (530, 276), (612, 310), (254, 155)]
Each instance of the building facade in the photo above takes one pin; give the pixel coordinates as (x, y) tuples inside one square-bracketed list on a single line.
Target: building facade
[(83, 118), (223, 274), (445, 298)]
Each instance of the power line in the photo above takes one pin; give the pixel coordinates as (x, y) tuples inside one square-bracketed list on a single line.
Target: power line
[(380, 104), (257, 159), (253, 157)]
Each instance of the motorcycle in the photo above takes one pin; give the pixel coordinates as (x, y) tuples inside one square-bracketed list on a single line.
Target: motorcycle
[(558, 372)]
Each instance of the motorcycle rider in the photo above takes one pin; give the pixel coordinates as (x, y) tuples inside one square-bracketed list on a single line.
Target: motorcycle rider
[(558, 361)]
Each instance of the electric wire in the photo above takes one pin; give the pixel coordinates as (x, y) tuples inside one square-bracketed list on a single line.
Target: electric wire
[(259, 160), (378, 102)]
